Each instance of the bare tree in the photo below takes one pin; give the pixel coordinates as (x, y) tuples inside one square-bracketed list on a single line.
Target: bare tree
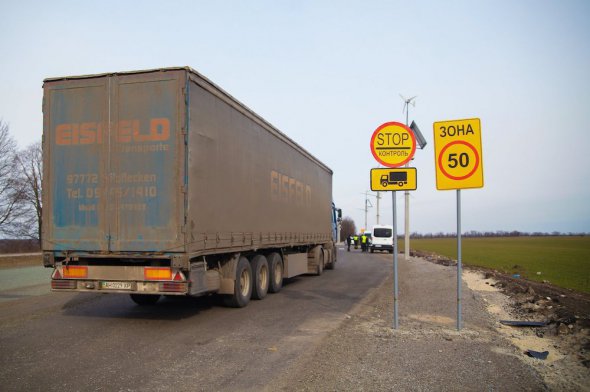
[(30, 168), (11, 193), (348, 228)]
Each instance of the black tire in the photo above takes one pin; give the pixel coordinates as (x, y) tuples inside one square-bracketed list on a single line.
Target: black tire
[(372, 250), (332, 263), (242, 286), (320, 266), (145, 299), (261, 277), (275, 268)]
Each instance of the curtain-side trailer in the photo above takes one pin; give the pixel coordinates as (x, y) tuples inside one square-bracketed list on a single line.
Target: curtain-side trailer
[(158, 182)]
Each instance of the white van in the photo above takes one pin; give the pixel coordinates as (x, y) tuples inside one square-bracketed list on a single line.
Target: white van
[(382, 238)]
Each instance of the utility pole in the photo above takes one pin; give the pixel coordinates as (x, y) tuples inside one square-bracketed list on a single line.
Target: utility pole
[(367, 202), (378, 197), (407, 103)]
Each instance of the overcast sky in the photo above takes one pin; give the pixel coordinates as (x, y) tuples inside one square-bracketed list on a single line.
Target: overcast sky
[(328, 73)]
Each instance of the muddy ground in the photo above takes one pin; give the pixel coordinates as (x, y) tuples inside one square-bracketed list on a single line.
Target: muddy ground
[(566, 335)]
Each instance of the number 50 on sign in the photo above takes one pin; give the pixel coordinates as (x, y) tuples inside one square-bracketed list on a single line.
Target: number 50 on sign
[(458, 154)]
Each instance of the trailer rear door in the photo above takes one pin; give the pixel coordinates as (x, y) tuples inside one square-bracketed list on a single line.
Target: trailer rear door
[(114, 156)]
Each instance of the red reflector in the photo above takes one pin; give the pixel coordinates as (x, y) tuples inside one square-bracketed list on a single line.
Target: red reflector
[(56, 274), (63, 284), (178, 276), (157, 273), (173, 287), (75, 272)]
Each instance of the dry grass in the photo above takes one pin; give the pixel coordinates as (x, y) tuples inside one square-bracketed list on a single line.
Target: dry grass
[(21, 261)]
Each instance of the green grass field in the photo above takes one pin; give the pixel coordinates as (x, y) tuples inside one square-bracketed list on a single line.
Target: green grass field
[(563, 261)]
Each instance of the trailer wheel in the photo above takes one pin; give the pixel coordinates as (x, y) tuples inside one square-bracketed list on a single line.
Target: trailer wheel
[(242, 286), (320, 267), (261, 277), (145, 299), (332, 258), (275, 267)]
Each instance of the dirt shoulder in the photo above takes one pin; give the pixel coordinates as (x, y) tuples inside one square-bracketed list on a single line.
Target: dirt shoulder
[(566, 337), (426, 352), (562, 306)]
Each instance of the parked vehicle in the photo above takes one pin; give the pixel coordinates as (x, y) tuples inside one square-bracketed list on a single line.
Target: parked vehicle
[(159, 182), (382, 238)]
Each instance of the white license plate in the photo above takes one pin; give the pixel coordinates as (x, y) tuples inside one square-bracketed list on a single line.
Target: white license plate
[(116, 285)]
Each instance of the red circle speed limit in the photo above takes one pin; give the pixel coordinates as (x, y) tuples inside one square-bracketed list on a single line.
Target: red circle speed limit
[(458, 160)]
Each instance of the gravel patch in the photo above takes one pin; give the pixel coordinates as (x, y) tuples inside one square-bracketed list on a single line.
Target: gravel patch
[(426, 353)]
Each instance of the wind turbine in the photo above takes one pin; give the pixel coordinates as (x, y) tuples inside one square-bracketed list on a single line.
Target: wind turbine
[(408, 101)]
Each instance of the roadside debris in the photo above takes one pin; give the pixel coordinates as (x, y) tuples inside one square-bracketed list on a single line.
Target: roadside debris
[(516, 323), (537, 354)]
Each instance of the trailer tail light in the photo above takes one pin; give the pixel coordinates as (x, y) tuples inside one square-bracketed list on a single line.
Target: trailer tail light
[(174, 287), (157, 273), (75, 272), (63, 284)]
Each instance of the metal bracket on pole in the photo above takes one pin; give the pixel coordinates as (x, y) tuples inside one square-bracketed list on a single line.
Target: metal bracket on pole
[(395, 288)]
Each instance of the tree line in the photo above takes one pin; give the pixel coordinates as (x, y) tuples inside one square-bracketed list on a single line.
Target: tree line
[(498, 233), (348, 227), (21, 173)]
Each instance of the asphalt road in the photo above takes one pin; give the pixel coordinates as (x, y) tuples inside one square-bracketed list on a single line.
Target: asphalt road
[(75, 341)]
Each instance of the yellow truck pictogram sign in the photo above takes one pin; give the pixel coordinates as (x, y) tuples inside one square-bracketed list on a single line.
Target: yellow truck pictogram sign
[(401, 179)]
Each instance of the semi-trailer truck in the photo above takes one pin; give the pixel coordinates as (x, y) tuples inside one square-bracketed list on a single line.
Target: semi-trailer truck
[(158, 182)]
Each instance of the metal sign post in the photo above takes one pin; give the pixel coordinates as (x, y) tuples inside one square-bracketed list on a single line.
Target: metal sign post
[(395, 288), (393, 145), (459, 264), (459, 165), (394, 180)]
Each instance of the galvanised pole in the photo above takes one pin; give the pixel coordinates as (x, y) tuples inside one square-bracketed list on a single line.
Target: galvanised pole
[(459, 263)]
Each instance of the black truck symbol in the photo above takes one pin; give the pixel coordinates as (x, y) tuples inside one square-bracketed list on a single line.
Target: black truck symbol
[(394, 178)]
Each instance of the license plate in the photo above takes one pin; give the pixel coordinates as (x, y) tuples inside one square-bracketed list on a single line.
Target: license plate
[(116, 285)]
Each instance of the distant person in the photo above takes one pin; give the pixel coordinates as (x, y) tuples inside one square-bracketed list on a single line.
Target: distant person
[(363, 243), (355, 238), (348, 239)]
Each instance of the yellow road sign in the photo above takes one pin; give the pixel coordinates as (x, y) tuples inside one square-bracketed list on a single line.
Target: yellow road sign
[(393, 144), (458, 154), (402, 179)]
